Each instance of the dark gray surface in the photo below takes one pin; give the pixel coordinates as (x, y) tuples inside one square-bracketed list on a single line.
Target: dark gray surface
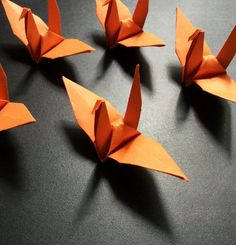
[(53, 190)]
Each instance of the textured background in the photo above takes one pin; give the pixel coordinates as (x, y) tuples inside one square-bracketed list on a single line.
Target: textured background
[(53, 190)]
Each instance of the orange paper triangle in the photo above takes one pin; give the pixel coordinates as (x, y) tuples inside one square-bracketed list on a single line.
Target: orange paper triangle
[(199, 65), (41, 40), (123, 28), (116, 137), (11, 114)]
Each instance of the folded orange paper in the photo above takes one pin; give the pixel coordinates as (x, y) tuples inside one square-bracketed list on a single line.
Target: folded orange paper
[(199, 65), (11, 114), (41, 40), (116, 137), (123, 28)]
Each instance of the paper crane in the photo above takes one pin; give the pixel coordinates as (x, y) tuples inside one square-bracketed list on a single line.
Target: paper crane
[(11, 114), (41, 40), (123, 28), (116, 137), (199, 65)]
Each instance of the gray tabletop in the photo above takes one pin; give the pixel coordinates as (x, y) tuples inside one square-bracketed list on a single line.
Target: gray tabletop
[(54, 190)]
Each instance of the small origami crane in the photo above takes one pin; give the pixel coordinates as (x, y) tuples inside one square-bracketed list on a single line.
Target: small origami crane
[(41, 40), (11, 114), (123, 28), (116, 137), (199, 65)]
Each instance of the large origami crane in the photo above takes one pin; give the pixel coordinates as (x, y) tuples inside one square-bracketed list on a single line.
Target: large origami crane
[(41, 40), (11, 114), (116, 137), (123, 28), (199, 65)]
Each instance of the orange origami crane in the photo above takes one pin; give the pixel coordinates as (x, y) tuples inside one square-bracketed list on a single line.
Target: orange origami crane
[(123, 28), (11, 114), (116, 137), (199, 65), (41, 40)]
